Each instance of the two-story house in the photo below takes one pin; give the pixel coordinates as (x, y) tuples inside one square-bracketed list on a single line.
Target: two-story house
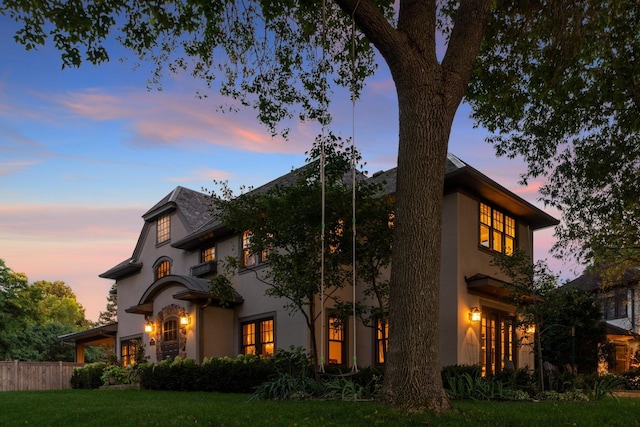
[(164, 299), (620, 305)]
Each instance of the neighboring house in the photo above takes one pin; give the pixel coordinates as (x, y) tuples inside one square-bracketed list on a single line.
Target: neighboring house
[(620, 306), (163, 297)]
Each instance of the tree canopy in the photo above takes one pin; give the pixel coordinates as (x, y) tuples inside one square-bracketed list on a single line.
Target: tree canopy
[(33, 316), (558, 84)]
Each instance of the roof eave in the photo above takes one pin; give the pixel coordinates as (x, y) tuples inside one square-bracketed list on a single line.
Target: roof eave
[(477, 183)]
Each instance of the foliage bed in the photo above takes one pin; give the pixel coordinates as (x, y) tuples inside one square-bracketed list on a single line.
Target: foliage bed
[(288, 375), (465, 382)]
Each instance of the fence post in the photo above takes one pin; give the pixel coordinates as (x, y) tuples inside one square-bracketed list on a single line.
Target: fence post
[(16, 386)]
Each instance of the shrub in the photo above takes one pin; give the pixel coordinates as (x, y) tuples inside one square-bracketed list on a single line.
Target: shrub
[(604, 385), (223, 374), (294, 361), (450, 371), (89, 376), (287, 387), (120, 375), (631, 379)]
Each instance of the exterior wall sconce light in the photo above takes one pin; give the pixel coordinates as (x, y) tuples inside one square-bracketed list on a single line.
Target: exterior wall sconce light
[(531, 329), (148, 327), (184, 320), (475, 315)]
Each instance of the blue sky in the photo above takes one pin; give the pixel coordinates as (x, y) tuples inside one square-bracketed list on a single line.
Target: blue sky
[(85, 152)]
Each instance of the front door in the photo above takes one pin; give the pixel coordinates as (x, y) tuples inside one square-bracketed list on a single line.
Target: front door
[(498, 349)]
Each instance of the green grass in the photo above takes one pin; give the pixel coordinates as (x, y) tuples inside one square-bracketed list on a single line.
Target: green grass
[(116, 408)]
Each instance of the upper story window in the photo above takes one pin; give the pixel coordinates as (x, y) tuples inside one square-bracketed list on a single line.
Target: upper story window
[(614, 304), (248, 260), (163, 269), (209, 254), (163, 229), (497, 230)]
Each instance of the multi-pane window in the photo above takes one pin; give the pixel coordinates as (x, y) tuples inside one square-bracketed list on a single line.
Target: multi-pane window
[(209, 254), (497, 230), (128, 350), (163, 269), (163, 229), (170, 330), (382, 340), (265, 252), (248, 260), (258, 337), (614, 304), (336, 341)]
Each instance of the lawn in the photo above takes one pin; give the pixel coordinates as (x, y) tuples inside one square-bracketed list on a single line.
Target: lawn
[(116, 408)]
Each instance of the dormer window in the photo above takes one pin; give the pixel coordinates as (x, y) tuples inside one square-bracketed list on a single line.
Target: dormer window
[(497, 230), (163, 229), (209, 254)]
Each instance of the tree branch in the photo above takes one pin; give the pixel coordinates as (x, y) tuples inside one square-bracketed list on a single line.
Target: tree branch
[(468, 32)]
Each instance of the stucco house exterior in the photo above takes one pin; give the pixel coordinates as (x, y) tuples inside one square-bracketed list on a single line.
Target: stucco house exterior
[(164, 302), (620, 305)]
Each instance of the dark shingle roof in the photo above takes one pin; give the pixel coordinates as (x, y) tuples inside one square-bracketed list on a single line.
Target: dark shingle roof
[(193, 205), (592, 281)]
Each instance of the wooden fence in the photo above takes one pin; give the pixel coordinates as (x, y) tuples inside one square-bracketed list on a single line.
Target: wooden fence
[(16, 375)]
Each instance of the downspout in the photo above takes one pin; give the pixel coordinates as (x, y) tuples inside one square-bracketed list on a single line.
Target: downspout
[(200, 329)]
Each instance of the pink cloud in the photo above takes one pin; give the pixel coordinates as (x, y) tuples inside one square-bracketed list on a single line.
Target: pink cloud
[(71, 243), (172, 118), (203, 174), (10, 168)]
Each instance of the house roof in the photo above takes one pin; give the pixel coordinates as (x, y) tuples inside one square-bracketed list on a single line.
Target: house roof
[(214, 227), (192, 206), (459, 176), (96, 336), (202, 224), (195, 289), (617, 333), (592, 281)]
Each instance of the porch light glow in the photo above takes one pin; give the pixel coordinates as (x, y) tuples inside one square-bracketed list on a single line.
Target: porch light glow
[(475, 314), (148, 327), (184, 320)]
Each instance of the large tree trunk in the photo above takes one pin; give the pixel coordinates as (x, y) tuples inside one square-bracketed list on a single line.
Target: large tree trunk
[(429, 94), (412, 377)]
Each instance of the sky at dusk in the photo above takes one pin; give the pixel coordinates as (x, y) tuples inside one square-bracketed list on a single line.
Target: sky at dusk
[(85, 152)]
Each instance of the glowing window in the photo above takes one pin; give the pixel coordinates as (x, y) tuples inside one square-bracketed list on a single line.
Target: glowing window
[(497, 230), (170, 330), (163, 269), (128, 351), (248, 259), (258, 337), (336, 341), (209, 254), (163, 229), (382, 340)]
